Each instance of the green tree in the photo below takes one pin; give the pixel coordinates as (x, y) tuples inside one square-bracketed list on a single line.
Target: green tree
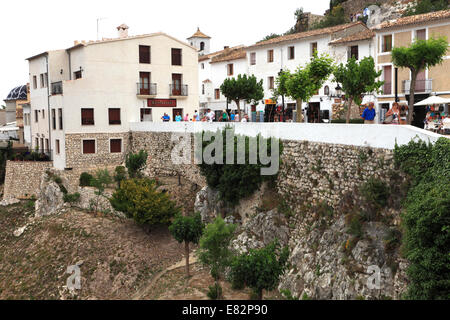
[(305, 82), (259, 269), (135, 163), (335, 17), (187, 229), (139, 199), (420, 55), (357, 79), (100, 181), (243, 87), (120, 174), (214, 247)]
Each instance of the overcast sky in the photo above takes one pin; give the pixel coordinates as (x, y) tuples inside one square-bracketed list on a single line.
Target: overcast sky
[(29, 27)]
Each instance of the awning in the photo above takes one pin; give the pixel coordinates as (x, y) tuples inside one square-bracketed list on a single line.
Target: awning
[(433, 100)]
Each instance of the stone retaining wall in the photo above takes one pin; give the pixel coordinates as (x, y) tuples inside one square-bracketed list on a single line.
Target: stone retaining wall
[(23, 178)]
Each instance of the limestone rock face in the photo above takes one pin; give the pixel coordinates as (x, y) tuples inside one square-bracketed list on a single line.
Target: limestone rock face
[(50, 199), (208, 204)]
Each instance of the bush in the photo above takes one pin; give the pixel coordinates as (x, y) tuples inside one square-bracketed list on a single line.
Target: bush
[(215, 292), (86, 179), (71, 197), (120, 175), (233, 181), (139, 199), (135, 163), (260, 269), (375, 192)]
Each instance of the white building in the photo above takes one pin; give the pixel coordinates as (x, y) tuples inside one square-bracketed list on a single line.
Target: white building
[(90, 93), (267, 58)]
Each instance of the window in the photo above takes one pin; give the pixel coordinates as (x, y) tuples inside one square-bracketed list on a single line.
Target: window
[(42, 80), (146, 114), (203, 66), (291, 53), (36, 142), (270, 56), (217, 94), (46, 145), (77, 74), (34, 82), (45, 80), (353, 52), (230, 69), (387, 77), (87, 117), (114, 115), (326, 90), (53, 119), (144, 83), (43, 113), (88, 146), (270, 81), (313, 48), (60, 116), (421, 34), (176, 57), (57, 146), (203, 89), (387, 43), (202, 46), (115, 145), (36, 117), (42, 144), (253, 58), (144, 54)]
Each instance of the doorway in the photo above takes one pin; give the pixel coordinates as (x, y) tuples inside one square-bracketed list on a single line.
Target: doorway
[(144, 83), (419, 112), (313, 112)]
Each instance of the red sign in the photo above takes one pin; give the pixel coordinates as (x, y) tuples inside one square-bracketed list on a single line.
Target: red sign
[(162, 103)]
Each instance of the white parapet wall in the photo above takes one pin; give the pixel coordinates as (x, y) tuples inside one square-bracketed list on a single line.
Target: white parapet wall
[(374, 136)]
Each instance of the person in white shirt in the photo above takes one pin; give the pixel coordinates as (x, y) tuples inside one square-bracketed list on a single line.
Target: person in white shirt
[(245, 118)]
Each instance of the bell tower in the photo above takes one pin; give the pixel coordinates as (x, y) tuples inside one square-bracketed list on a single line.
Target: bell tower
[(200, 41)]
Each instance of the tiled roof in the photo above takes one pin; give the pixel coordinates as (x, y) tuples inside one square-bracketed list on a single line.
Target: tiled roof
[(230, 54), (213, 54), (199, 34), (426, 17), (307, 34), (365, 35)]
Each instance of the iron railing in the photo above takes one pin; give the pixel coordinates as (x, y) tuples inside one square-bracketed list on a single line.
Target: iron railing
[(146, 89), (422, 86), (178, 90)]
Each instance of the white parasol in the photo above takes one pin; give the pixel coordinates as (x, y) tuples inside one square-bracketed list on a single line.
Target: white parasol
[(433, 100)]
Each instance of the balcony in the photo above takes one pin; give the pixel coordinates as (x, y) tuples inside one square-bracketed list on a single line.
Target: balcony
[(178, 90), (57, 87), (422, 86), (146, 89)]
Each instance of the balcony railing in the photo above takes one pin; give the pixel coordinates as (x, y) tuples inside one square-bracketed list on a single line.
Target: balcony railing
[(146, 89), (57, 87), (422, 86), (178, 90)]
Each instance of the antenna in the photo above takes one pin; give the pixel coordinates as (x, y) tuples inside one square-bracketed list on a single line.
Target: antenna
[(98, 19)]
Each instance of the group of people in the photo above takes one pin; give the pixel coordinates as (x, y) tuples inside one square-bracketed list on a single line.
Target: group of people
[(398, 114), (208, 116), (437, 120)]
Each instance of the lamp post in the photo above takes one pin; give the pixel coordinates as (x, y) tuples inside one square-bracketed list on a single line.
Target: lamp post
[(338, 91), (282, 96)]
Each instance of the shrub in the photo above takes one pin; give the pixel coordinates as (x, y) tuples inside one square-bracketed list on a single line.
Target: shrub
[(139, 199), (120, 175), (215, 292), (260, 269), (235, 181), (86, 179), (375, 192), (135, 163), (71, 197)]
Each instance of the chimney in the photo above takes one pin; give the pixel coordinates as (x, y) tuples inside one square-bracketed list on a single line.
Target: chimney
[(122, 31)]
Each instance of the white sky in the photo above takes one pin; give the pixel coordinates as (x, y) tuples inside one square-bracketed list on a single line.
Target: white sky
[(29, 27)]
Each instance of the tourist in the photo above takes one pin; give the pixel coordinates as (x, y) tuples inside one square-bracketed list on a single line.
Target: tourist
[(196, 116), (403, 114), (393, 115), (245, 118), (178, 118), (225, 116), (236, 117), (369, 114), (186, 117), (232, 116), (165, 117), (210, 115)]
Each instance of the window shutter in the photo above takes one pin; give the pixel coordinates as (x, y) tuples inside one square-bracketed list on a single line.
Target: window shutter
[(114, 116), (144, 54), (116, 145), (88, 146)]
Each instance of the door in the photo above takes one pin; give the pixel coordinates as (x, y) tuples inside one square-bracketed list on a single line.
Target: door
[(387, 87), (144, 83), (176, 84)]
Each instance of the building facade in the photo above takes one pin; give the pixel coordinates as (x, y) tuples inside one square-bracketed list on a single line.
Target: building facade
[(84, 98), (16, 102)]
